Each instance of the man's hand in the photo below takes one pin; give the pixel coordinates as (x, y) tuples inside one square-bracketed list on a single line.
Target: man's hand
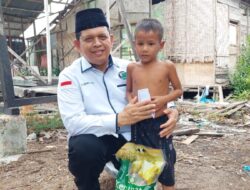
[(169, 126), (135, 111)]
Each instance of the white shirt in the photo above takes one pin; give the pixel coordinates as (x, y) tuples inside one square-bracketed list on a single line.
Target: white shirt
[(88, 99)]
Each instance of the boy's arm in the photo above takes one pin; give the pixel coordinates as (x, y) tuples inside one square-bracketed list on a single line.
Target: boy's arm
[(173, 78), (129, 87), (172, 95), (176, 84)]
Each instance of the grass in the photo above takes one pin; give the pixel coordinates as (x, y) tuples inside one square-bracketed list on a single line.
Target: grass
[(240, 79), (37, 123)]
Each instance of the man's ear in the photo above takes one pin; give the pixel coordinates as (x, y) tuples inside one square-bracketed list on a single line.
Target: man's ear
[(77, 44), (112, 38)]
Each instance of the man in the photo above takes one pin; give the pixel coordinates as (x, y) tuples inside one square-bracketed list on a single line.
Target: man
[(92, 102)]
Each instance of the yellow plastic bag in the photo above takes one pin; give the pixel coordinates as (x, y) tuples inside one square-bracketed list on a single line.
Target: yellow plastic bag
[(140, 167)]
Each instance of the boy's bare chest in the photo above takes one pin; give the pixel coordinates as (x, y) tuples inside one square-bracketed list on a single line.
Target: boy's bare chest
[(155, 76)]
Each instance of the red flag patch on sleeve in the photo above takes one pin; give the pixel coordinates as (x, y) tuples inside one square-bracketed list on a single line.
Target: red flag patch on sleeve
[(65, 83)]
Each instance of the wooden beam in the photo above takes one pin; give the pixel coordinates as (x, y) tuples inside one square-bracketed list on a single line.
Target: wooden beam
[(25, 21), (9, 28), (189, 131), (230, 112), (230, 107), (190, 139), (63, 3), (35, 1), (123, 14), (210, 134), (33, 72), (27, 49), (12, 14), (118, 47)]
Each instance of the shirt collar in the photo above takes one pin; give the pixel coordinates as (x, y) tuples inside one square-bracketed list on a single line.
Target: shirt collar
[(85, 65)]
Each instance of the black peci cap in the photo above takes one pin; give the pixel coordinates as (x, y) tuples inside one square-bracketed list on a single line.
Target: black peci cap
[(90, 18)]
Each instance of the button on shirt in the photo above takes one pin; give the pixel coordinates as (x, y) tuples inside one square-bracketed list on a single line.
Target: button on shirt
[(88, 99)]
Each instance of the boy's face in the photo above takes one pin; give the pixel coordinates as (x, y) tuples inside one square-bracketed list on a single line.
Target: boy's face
[(95, 45), (147, 45)]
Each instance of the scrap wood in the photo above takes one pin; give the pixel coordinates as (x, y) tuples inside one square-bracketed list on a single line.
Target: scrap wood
[(244, 125), (210, 134), (182, 156), (190, 139), (202, 105), (196, 131), (48, 149), (228, 97), (247, 105), (206, 110), (15, 69), (185, 131), (230, 112), (230, 107), (26, 65)]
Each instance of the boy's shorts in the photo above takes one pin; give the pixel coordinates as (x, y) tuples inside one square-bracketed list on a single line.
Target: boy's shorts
[(146, 133)]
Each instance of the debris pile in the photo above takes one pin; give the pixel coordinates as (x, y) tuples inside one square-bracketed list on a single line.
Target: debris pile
[(213, 119)]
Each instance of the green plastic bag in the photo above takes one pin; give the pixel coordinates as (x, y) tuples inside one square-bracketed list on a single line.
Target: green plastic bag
[(123, 181), (140, 167)]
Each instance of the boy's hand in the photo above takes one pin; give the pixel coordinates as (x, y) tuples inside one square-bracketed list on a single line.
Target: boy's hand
[(159, 101), (168, 127)]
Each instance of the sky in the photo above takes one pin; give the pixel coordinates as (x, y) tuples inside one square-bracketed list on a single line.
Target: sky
[(40, 22)]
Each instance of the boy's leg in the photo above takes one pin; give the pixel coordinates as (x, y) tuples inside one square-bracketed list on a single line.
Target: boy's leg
[(167, 187), (147, 133), (88, 155), (167, 177)]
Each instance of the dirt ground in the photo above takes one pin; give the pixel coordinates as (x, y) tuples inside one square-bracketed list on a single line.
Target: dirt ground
[(208, 163)]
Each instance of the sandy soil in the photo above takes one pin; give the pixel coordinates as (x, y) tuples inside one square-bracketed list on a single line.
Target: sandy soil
[(207, 163)]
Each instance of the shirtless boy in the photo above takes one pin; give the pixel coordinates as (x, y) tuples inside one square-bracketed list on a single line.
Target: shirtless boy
[(156, 76)]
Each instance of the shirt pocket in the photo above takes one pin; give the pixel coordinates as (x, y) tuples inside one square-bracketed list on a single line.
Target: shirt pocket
[(87, 89)]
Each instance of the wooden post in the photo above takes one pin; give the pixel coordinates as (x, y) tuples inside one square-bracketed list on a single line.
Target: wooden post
[(34, 73), (48, 44), (221, 98), (150, 8), (62, 46), (127, 26)]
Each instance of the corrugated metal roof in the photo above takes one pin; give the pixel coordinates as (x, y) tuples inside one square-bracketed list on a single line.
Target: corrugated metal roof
[(22, 9), (19, 14)]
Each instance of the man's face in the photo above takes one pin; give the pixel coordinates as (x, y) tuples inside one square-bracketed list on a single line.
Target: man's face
[(95, 45)]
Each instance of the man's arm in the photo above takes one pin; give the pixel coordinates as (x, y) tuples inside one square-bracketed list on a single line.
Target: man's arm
[(135, 112), (72, 109), (77, 121)]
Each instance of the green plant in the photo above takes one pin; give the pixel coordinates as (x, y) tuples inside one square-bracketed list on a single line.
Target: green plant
[(240, 79), (55, 71), (37, 123), (43, 72)]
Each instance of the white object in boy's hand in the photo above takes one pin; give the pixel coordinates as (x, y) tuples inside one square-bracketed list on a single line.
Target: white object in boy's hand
[(143, 94)]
